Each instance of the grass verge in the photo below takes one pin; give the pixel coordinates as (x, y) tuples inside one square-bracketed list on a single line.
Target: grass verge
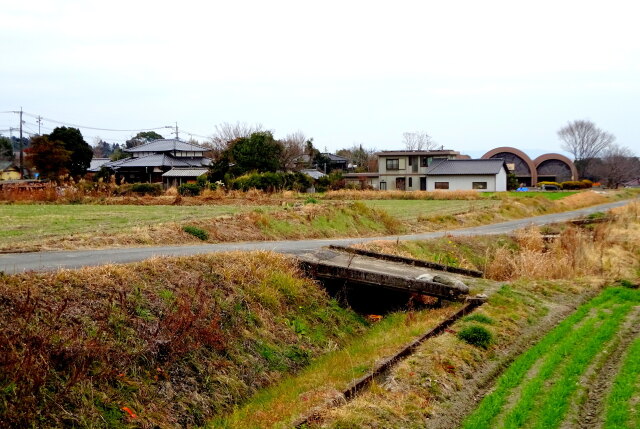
[(175, 341)]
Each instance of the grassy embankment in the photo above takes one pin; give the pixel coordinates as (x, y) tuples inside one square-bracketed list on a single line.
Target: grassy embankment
[(173, 341), (55, 226), (436, 386)]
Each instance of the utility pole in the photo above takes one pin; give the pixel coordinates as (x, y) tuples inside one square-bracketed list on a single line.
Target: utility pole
[(39, 121), (21, 148), (177, 130)]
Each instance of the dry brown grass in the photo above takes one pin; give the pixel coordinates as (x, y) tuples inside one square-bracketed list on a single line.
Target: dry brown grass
[(176, 340), (350, 194), (608, 249)]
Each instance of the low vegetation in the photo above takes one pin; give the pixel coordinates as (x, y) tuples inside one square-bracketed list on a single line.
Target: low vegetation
[(166, 342), (254, 215)]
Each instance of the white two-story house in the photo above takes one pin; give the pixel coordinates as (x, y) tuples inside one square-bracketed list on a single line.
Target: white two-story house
[(407, 169)]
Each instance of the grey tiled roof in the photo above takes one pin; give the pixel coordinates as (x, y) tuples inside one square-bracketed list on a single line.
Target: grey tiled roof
[(185, 172), (166, 145), (158, 160), (313, 173), (96, 163), (465, 167)]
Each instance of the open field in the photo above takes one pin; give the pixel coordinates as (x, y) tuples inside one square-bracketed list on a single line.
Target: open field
[(413, 210), (32, 227), (33, 222)]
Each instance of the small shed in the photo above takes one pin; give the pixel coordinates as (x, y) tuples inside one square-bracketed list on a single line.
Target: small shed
[(9, 171), (178, 176)]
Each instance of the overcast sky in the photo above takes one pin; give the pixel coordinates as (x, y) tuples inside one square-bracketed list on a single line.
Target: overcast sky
[(473, 74)]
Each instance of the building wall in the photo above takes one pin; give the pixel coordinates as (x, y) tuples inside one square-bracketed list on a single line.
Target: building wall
[(464, 183), (9, 175)]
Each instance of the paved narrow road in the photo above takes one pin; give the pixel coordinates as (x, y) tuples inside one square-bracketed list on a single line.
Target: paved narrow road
[(12, 263)]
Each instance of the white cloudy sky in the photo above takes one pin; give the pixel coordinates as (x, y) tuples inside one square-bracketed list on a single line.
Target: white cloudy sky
[(474, 74)]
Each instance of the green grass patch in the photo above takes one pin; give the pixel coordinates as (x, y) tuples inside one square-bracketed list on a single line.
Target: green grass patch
[(34, 222), (196, 232), (412, 210), (620, 411), (295, 394)]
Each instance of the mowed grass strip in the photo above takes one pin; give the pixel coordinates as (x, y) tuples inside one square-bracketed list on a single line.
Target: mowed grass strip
[(37, 221), (619, 407), (279, 405), (411, 210), (555, 348)]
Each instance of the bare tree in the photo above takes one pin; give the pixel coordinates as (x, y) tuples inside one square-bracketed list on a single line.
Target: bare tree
[(585, 141), (618, 165), (293, 146), (363, 158), (227, 132), (418, 140)]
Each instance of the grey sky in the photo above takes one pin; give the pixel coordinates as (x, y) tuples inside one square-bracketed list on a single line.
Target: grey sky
[(475, 75)]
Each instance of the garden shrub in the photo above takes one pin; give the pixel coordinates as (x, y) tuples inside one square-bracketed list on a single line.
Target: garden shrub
[(271, 182), (475, 335), (573, 184), (196, 232), (543, 184), (189, 190), (154, 189)]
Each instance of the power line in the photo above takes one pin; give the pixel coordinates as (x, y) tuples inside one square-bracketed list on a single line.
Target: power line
[(38, 117)]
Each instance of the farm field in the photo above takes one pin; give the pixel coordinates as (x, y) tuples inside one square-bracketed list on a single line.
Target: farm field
[(413, 210), (33, 227), (565, 380), (30, 222)]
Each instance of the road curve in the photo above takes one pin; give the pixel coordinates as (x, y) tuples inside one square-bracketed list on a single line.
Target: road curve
[(11, 263)]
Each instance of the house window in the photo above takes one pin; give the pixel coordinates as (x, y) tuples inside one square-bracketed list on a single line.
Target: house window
[(411, 182), (442, 185), (383, 186), (393, 164), (479, 185), (425, 161)]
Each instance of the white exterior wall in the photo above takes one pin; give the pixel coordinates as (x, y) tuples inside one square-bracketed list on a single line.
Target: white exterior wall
[(464, 183), (501, 181)]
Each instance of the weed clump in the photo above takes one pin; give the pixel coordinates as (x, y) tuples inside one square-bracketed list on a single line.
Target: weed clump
[(479, 318), (476, 335), (196, 232)]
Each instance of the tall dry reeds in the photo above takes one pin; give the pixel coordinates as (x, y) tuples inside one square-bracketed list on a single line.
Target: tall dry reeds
[(609, 250), (351, 194)]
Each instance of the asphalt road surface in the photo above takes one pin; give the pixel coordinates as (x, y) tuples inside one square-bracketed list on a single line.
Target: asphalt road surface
[(11, 263)]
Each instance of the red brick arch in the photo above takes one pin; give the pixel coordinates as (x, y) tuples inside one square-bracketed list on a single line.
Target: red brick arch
[(557, 157), (518, 153)]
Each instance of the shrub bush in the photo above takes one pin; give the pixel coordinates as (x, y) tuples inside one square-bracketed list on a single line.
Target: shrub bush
[(544, 184), (196, 232), (573, 184), (271, 182), (154, 189), (475, 335), (189, 190)]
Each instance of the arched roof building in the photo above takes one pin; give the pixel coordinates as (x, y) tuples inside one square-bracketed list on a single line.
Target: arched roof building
[(551, 167), (518, 162)]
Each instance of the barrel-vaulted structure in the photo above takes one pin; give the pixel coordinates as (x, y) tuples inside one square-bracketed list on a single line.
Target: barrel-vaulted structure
[(550, 167), (518, 162), (553, 167)]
